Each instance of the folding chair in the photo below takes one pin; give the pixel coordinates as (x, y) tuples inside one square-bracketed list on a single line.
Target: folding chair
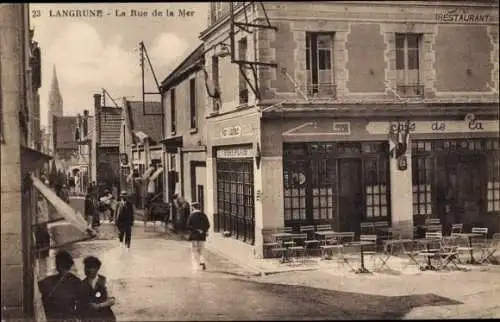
[(434, 228), (288, 230), (448, 253), (432, 221), (366, 228), (456, 229), (413, 253), (491, 249), (298, 245), (271, 246), (463, 246), (373, 252), (323, 227), (311, 240)]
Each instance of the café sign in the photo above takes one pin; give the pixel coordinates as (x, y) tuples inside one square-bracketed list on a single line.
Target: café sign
[(231, 131), (461, 16), (235, 153), (426, 127)]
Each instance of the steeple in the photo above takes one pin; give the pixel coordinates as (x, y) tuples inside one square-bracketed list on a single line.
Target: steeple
[(55, 97)]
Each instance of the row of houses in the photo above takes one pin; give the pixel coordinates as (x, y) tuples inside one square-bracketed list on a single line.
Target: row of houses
[(337, 113)]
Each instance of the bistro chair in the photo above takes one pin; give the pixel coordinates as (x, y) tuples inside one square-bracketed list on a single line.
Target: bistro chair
[(434, 228), (298, 246), (480, 242), (323, 227), (432, 221), (366, 228), (288, 230), (311, 241), (490, 250), (372, 250), (457, 229)]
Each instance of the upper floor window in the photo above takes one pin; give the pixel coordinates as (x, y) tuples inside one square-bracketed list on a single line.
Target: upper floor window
[(192, 103), (172, 111), (242, 56), (319, 64), (408, 64)]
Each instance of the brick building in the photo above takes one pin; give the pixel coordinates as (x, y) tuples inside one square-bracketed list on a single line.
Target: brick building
[(368, 115), (184, 98), (140, 136)]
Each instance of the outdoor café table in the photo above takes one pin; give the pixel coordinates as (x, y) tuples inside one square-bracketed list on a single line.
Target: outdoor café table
[(324, 234), (361, 245), (395, 242), (472, 260), (429, 265), (280, 237)]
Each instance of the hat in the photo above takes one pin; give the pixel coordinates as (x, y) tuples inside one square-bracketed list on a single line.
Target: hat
[(123, 193)]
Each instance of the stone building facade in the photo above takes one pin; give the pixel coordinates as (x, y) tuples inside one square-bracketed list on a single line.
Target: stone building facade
[(358, 120)]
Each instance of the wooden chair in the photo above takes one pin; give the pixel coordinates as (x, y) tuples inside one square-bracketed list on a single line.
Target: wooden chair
[(434, 228), (370, 250), (432, 221), (492, 247), (288, 230)]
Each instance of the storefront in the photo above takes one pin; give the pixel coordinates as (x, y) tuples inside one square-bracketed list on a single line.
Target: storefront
[(235, 192), (336, 183)]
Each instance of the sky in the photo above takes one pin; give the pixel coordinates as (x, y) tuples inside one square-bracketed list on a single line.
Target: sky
[(91, 53)]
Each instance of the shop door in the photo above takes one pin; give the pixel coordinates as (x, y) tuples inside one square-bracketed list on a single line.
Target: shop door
[(350, 194), (465, 191)]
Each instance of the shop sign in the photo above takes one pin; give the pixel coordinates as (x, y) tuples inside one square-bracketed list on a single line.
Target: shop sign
[(426, 127), (235, 153), (461, 16), (342, 128), (231, 131)]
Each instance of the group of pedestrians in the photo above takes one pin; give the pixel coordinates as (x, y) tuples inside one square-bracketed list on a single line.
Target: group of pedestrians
[(67, 298)]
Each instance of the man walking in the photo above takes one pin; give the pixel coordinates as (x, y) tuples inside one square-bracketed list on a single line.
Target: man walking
[(198, 226), (125, 220)]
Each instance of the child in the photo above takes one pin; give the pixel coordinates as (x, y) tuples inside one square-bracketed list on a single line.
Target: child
[(98, 300)]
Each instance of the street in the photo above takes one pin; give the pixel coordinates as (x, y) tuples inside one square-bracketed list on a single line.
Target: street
[(155, 281)]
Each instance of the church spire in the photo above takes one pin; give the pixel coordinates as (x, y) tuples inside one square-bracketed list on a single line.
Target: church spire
[(55, 97)]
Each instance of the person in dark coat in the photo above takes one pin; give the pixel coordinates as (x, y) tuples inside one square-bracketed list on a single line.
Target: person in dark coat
[(198, 225), (62, 293), (124, 219), (97, 298), (90, 208)]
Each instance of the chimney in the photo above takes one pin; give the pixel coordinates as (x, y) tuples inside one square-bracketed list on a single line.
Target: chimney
[(97, 117)]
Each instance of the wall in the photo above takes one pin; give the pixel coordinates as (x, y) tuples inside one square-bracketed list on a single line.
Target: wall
[(359, 73), (12, 45)]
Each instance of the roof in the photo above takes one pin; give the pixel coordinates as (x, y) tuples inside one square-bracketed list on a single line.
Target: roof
[(148, 120), (64, 132), (184, 67), (111, 121)]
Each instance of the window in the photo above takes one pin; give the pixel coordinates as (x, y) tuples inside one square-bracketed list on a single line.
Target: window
[(422, 169), (242, 56), (192, 103), (376, 187), (408, 64), (173, 123), (215, 81), (323, 180), (319, 64), (493, 188), (294, 175)]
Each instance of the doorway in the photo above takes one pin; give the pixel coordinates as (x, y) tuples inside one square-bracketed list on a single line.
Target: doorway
[(350, 195), (465, 191)]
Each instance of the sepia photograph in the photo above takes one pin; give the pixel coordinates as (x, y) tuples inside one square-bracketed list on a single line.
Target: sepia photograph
[(258, 161)]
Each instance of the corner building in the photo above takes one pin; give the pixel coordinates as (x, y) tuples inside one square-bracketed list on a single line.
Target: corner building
[(376, 111)]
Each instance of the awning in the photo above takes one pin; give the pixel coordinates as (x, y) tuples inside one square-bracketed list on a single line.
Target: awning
[(70, 215), (148, 173), (32, 160), (172, 143), (156, 174)]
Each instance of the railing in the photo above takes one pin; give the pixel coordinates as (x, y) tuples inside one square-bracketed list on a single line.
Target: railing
[(322, 90), (410, 90), (240, 227)]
